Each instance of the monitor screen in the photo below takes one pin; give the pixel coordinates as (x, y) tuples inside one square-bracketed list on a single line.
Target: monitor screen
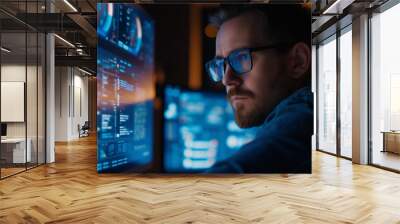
[(3, 129), (125, 88), (199, 130)]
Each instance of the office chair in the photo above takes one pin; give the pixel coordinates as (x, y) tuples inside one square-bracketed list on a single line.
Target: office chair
[(84, 130)]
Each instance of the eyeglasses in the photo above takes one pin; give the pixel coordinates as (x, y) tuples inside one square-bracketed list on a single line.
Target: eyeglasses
[(240, 60)]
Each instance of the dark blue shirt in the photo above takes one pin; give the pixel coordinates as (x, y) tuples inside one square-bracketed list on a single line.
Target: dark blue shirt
[(283, 142)]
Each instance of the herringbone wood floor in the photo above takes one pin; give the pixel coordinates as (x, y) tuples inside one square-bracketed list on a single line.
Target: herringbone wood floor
[(70, 191)]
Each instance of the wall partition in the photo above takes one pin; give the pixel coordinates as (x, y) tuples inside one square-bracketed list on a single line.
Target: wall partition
[(13, 86), (22, 77)]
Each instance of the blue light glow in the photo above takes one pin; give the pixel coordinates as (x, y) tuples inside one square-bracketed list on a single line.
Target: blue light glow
[(124, 101), (199, 130)]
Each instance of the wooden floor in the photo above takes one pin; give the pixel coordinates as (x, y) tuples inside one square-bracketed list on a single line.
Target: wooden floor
[(10, 171), (70, 191)]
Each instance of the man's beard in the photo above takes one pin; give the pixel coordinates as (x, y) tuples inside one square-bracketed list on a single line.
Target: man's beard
[(247, 117)]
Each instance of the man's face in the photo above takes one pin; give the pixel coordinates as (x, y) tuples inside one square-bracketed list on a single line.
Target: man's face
[(254, 94)]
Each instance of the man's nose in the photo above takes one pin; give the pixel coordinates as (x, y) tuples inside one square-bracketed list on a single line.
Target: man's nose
[(230, 78)]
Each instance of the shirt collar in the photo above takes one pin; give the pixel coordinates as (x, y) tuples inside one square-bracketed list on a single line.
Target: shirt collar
[(303, 94)]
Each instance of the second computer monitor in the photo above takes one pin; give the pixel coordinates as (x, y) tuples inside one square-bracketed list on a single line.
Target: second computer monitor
[(199, 130), (3, 129)]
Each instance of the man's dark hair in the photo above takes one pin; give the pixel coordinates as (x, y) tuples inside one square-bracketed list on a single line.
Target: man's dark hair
[(284, 23), (290, 23)]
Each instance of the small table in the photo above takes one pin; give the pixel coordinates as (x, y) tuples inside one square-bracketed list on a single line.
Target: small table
[(13, 150), (391, 141)]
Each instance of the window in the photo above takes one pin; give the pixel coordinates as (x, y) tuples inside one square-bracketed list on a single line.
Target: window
[(327, 95), (22, 77), (346, 92), (385, 88)]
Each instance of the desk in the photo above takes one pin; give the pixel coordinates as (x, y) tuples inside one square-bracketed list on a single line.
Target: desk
[(13, 150), (391, 141)]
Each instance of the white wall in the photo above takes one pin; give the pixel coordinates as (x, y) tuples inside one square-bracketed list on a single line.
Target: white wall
[(71, 94), (80, 110), (12, 73), (61, 104), (13, 101), (16, 73), (33, 126)]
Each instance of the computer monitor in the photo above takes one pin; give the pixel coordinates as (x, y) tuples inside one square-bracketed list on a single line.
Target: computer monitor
[(126, 90), (3, 129), (199, 130)]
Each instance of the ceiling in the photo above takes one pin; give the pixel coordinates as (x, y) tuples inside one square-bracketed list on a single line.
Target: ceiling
[(76, 20), (76, 25)]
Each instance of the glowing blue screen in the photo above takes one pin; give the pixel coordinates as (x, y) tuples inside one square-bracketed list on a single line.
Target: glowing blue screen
[(125, 88), (199, 130)]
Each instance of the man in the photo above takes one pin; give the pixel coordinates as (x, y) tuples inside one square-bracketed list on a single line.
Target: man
[(263, 59)]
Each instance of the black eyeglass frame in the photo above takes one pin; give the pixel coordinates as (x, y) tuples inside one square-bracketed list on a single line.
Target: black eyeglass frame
[(250, 49)]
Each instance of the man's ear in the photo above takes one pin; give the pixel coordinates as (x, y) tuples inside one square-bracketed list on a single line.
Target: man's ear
[(299, 60)]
